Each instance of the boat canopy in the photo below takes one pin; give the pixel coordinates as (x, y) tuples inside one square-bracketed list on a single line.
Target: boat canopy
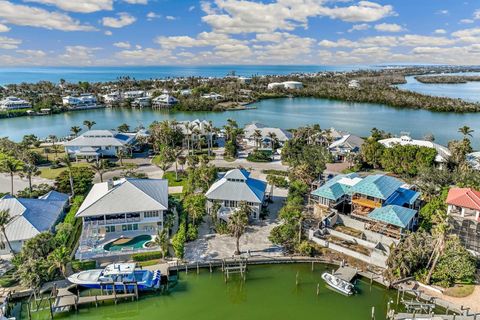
[(119, 268)]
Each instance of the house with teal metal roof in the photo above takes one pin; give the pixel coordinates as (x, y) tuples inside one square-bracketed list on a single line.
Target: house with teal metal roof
[(335, 190), (395, 216), (378, 186)]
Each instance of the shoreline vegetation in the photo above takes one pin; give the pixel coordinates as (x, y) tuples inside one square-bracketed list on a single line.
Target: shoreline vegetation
[(446, 79), (363, 86)]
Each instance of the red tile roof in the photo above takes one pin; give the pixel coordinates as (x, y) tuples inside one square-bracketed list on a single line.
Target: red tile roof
[(464, 197)]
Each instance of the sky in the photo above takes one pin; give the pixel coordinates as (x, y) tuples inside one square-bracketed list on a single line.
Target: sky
[(212, 32)]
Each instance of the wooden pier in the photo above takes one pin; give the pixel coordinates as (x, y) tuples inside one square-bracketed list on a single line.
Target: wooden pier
[(346, 273), (235, 267), (431, 316)]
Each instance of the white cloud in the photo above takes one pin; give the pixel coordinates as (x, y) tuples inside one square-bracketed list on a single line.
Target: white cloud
[(471, 35), (444, 12), (78, 55), (467, 21), (84, 6), (476, 14), (33, 53), (243, 16), (152, 15), (409, 40), (122, 44), (389, 27), (136, 1), (35, 17), (191, 8), (9, 43), (4, 28), (359, 27), (124, 19), (440, 31), (108, 33), (170, 18)]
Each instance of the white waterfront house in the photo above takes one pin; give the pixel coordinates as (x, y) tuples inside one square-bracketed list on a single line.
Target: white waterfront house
[(142, 102), (128, 210), (244, 80), (164, 100), (231, 189), (86, 100), (442, 152), (344, 146), (112, 97), (281, 135), (133, 94), (14, 103), (30, 217), (95, 144), (212, 96), (292, 85)]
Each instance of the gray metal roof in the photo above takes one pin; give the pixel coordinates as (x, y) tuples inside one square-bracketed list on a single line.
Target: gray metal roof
[(30, 217), (124, 196), (101, 138), (236, 185), (282, 135)]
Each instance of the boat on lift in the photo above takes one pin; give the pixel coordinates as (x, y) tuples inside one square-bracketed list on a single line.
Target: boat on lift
[(118, 276), (338, 284)]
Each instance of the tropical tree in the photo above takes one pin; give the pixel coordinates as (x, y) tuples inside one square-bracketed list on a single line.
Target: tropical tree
[(121, 154), (439, 233), (75, 130), (123, 128), (58, 259), (237, 223), (272, 136), (68, 164), (165, 158), (53, 138), (162, 241), (99, 167), (29, 170), (194, 204), (11, 166), (257, 136), (89, 124), (466, 131), (4, 220)]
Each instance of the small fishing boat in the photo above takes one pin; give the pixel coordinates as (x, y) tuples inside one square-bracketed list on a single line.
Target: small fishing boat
[(338, 284), (118, 275)]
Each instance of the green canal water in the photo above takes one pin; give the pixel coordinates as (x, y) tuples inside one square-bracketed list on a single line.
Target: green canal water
[(269, 292)]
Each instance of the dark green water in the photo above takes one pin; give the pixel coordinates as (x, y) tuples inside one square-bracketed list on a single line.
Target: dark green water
[(268, 293)]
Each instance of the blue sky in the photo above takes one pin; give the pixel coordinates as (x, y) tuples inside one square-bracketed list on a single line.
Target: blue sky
[(176, 32)]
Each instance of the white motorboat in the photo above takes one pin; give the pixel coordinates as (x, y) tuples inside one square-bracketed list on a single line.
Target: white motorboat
[(338, 284), (117, 275)]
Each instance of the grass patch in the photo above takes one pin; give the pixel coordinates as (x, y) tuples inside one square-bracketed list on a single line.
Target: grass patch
[(276, 172), (51, 174), (148, 263), (172, 182), (460, 290)]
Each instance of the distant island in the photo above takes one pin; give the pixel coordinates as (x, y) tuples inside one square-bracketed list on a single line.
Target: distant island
[(235, 92)]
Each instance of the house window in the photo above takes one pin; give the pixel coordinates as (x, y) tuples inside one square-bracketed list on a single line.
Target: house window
[(110, 229), (135, 226), (151, 214)]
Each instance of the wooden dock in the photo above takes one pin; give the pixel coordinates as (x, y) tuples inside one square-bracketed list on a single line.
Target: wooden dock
[(413, 316), (346, 273)]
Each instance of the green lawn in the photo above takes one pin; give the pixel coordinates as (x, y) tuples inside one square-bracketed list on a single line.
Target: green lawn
[(172, 182), (460, 290), (49, 173)]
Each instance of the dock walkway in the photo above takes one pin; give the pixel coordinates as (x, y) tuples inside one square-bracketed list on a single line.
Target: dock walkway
[(346, 273)]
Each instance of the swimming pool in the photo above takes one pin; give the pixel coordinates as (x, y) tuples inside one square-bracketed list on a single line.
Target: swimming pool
[(137, 242)]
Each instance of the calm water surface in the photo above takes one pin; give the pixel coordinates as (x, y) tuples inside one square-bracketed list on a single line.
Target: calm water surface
[(357, 118), (269, 293)]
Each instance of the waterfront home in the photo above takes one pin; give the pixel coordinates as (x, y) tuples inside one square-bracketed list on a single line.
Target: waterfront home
[(95, 144), (212, 96), (121, 216), (244, 80), (133, 94), (112, 98), (334, 193), (348, 144), (185, 92), (405, 140), (234, 187), (473, 159), (164, 101), (249, 135), (85, 100), (142, 102), (463, 209), (30, 217), (354, 84), (361, 197), (14, 103), (291, 85)]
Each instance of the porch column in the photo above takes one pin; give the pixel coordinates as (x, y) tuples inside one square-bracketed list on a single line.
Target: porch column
[(463, 213), (477, 215), (125, 215), (104, 219), (449, 209)]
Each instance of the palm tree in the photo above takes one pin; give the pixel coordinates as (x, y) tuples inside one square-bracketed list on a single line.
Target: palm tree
[(440, 233), (75, 130), (120, 155), (89, 124), (68, 163), (190, 128), (59, 258), (99, 167), (273, 137), (237, 223), (466, 131), (29, 170), (162, 241), (11, 166), (272, 180), (53, 138), (209, 130), (4, 220), (257, 136)]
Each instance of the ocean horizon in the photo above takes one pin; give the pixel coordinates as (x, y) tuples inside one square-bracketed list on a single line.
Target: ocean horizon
[(17, 75)]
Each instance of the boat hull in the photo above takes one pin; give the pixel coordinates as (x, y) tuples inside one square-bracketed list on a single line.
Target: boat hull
[(338, 284)]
